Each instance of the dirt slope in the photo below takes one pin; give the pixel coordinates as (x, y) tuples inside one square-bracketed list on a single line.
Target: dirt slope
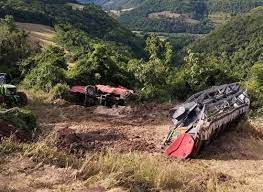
[(237, 154)]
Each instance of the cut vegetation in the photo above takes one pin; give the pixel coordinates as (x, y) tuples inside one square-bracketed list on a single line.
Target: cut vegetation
[(42, 34)]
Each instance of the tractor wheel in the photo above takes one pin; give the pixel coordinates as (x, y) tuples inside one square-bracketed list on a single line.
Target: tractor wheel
[(23, 99)]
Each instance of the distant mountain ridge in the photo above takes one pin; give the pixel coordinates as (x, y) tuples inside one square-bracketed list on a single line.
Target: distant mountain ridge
[(114, 4), (175, 16)]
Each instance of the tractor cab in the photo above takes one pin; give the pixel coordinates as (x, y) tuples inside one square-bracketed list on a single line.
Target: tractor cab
[(9, 96), (2, 78), (7, 88)]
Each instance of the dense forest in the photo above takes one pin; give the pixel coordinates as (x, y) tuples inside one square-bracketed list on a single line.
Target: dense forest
[(239, 42)]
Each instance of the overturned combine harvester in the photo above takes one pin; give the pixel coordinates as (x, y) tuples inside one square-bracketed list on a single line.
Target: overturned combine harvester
[(202, 117), (100, 95)]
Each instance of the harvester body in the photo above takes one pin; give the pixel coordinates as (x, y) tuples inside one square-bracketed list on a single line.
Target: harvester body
[(100, 95), (202, 117), (9, 97)]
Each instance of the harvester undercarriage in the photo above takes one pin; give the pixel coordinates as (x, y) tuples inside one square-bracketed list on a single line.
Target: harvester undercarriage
[(202, 117)]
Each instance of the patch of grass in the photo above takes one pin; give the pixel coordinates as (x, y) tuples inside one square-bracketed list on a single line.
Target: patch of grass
[(8, 146), (132, 171), (40, 152), (37, 98), (143, 172)]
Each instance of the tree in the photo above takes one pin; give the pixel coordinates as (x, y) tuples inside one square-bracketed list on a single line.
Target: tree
[(154, 46), (13, 46), (153, 74), (198, 73), (99, 66), (45, 70)]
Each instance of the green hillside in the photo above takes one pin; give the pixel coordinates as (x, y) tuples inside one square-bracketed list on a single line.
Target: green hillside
[(183, 16), (90, 19), (239, 42)]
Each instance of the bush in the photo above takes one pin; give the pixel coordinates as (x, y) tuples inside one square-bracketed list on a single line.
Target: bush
[(22, 119), (154, 93), (97, 67), (60, 91), (44, 77)]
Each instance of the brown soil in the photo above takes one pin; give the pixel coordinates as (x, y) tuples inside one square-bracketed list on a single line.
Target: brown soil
[(9, 131), (237, 155), (123, 129)]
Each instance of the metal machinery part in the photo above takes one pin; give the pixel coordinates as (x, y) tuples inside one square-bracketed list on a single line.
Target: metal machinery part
[(100, 95), (202, 117), (9, 97)]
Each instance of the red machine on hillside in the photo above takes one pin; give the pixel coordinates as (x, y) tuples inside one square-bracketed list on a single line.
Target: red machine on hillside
[(100, 95), (202, 117)]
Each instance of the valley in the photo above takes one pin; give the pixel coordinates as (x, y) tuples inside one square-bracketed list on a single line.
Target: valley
[(162, 52)]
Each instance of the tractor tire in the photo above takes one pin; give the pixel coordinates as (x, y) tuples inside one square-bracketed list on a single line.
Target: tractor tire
[(23, 99)]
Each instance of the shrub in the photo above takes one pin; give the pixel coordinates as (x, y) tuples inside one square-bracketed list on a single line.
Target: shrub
[(60, 91), (97, 67), (22, 119), (45, 70), (154, 93), (44, 77)]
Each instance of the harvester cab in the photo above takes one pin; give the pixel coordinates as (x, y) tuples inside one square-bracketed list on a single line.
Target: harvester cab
[(9, 96)]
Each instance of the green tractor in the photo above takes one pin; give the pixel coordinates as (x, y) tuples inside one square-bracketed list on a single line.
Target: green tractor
[(9, 96)]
